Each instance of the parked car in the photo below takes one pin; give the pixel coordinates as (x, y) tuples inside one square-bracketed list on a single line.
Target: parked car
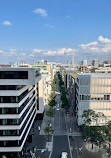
[(64, 155)]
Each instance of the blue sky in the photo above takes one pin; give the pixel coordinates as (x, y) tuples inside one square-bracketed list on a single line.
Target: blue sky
[(54, 29)]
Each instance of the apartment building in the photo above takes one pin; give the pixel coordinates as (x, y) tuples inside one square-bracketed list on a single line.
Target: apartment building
[(43, 67), (19, 105), (71, 89), (93, 91), (47, 85)]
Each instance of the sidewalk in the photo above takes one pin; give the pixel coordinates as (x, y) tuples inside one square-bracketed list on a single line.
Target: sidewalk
[(46, 121), (39, 138)]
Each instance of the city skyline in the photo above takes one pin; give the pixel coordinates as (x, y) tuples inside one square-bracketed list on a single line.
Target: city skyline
[(54, 31)]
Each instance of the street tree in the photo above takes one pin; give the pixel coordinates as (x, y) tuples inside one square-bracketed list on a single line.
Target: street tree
[(50, 113), (52, 97), (48, 131), (107, 134), (91, 128)]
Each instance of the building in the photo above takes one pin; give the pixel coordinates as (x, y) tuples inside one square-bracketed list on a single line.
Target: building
[(13, 64), (93, 91), (44, 67), (84, 68), (103, 70), (20, 104), (84, 63), (47, 86), (71, 89), (95, 63), (42, 62), (22, 62), (5, 65)]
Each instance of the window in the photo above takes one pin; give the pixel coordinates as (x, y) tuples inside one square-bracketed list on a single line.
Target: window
[(82, 97), (106, 97), (13, 74), (11, 87)]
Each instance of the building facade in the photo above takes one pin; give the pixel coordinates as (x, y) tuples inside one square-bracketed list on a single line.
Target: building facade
[(19, 106), (93, 91)]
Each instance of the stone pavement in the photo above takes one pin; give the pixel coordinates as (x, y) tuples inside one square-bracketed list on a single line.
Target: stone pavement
[(76, 141)]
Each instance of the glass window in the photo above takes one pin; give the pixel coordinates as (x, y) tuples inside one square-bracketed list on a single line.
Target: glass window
[(13, 74), (82, 97)]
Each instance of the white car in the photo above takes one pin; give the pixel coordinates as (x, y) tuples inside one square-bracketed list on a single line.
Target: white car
[(57, 108), (64, 155)]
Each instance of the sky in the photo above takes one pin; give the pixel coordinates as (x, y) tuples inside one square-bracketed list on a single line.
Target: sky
[(54, 30)]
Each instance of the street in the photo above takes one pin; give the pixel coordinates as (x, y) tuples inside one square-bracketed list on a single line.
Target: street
[(60, 139), (67, 136), (60, 144)]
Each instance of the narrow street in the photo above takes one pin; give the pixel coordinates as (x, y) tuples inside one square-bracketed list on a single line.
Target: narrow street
[(60, 139)]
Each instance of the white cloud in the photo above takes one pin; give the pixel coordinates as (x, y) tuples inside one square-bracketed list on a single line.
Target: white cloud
[(37, 50), (49, 26), (7, 23), (12, 50), (50, 53), (106, 48), (61, 51), (32, 55), (57, 52), (103, 40), (2, 52), (103, 45), (24, 54), (7, 53), (41, 12), (85, 46), (12, 53)]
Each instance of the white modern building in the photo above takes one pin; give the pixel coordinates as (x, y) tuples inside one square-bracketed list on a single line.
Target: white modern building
[(84, 63), (93, 91), (46, 83), (19, 105)]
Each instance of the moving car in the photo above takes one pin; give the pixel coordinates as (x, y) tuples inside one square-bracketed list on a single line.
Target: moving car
[(57, 108), (64, 155)]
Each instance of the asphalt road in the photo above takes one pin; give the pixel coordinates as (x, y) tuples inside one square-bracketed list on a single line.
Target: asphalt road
[(59, 119), (60, 139), (60, 145)]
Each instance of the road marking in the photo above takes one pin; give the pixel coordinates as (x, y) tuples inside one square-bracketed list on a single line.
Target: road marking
[(77, 149)]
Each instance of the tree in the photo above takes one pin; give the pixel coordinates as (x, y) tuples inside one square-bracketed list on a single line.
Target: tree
[(48, 131), (50, 113), (107, 134), (53, 103), (93, 132), (89, 117), (52, 97), (54, 83)]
